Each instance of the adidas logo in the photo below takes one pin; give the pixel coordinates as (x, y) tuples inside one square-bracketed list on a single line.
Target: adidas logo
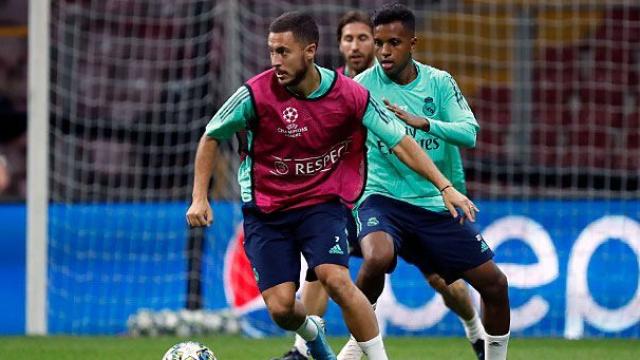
[(483, 246), (336, 249)]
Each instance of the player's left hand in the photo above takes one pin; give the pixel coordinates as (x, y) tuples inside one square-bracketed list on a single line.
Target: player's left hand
[(410, 119), (454, 199)]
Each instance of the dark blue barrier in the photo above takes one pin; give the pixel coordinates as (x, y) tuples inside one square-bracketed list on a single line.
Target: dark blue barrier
[(12, 268), (573, 269)]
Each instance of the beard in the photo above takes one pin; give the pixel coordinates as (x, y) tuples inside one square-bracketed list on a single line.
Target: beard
[(298, 76), (361, 65)]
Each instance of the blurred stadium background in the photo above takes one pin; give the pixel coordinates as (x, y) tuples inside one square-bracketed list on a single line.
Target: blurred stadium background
[(120, 92)]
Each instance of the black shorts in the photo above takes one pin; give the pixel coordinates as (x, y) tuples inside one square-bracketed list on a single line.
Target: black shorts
[(435, 242), (352, 239), (273, 242)]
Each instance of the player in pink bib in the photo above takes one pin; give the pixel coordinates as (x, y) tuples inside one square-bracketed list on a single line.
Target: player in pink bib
[(304, 130)]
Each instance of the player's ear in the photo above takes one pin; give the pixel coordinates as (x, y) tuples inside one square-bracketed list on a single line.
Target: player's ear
[(414, 41), (310, 51)]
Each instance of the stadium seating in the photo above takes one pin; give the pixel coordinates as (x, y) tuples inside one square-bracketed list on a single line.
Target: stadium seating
[(584, 86), (554, 75), (492, 109)]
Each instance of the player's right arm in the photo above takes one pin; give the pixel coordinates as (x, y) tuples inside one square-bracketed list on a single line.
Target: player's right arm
[(458, 126), (232, 117), (386, 127)]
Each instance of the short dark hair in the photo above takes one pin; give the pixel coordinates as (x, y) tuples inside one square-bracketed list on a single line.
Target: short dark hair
[(395, 12), (302, 25), (353, 16)]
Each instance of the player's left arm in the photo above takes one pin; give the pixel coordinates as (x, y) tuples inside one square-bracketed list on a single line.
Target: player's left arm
[(385, 126), (458, 127)]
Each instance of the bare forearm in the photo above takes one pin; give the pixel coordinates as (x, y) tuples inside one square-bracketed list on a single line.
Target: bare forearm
[(410, 153), (205, 157)]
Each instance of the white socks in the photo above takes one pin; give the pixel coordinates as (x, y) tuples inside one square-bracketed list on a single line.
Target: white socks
[(473, 328), (351, 350), (301, 345), (374, 348), (495, 346), (308, 331)]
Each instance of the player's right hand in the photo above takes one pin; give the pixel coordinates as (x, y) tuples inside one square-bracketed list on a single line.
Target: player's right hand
[(200, 214), (410, 119), (454, 199)]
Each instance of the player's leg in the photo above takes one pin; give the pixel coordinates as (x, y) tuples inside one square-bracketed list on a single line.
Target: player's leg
[(356, 310), (378, 243), (377, 247), (378, 253), (275, 257), (455, 251), (283, 307), (325, 246), (492, 285), (315, 299), (456, 297), (290, 314)]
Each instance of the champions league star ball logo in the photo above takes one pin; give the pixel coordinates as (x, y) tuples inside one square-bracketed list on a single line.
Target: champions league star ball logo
[(290, 115), (281, 167)]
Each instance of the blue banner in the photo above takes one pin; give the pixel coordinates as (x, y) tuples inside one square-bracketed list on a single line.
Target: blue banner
[(573, 269)]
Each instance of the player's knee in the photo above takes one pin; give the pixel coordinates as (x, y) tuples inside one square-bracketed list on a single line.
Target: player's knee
[(378, 262), (281, 309), (335, 283), (437, 283), (502, 283), (498, 290), (338, 286)]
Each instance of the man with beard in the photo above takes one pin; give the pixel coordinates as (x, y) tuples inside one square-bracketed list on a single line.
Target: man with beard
[(355, 39), (303, 159)]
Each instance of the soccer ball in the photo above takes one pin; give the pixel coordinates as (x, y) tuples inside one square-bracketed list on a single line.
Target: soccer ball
[(189, 350)]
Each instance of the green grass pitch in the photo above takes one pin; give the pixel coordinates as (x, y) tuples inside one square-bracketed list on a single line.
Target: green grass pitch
[(238, 348)]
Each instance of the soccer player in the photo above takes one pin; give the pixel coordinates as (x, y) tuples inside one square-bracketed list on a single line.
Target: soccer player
[(304, 157), (355, 42), (402, 214), (355, 39)]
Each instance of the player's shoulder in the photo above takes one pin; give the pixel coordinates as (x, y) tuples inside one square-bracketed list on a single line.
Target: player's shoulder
[(440, 80), (433, 73), (367, 76), (326, 72)]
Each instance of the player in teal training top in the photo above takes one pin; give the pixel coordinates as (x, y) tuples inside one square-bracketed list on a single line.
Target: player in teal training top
[(355, 39), (400, 214)]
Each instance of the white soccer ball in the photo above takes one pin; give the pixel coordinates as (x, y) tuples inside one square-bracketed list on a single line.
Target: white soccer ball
[(189, 350)]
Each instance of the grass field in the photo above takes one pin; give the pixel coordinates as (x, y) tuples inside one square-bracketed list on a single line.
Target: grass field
[(238, 348)]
